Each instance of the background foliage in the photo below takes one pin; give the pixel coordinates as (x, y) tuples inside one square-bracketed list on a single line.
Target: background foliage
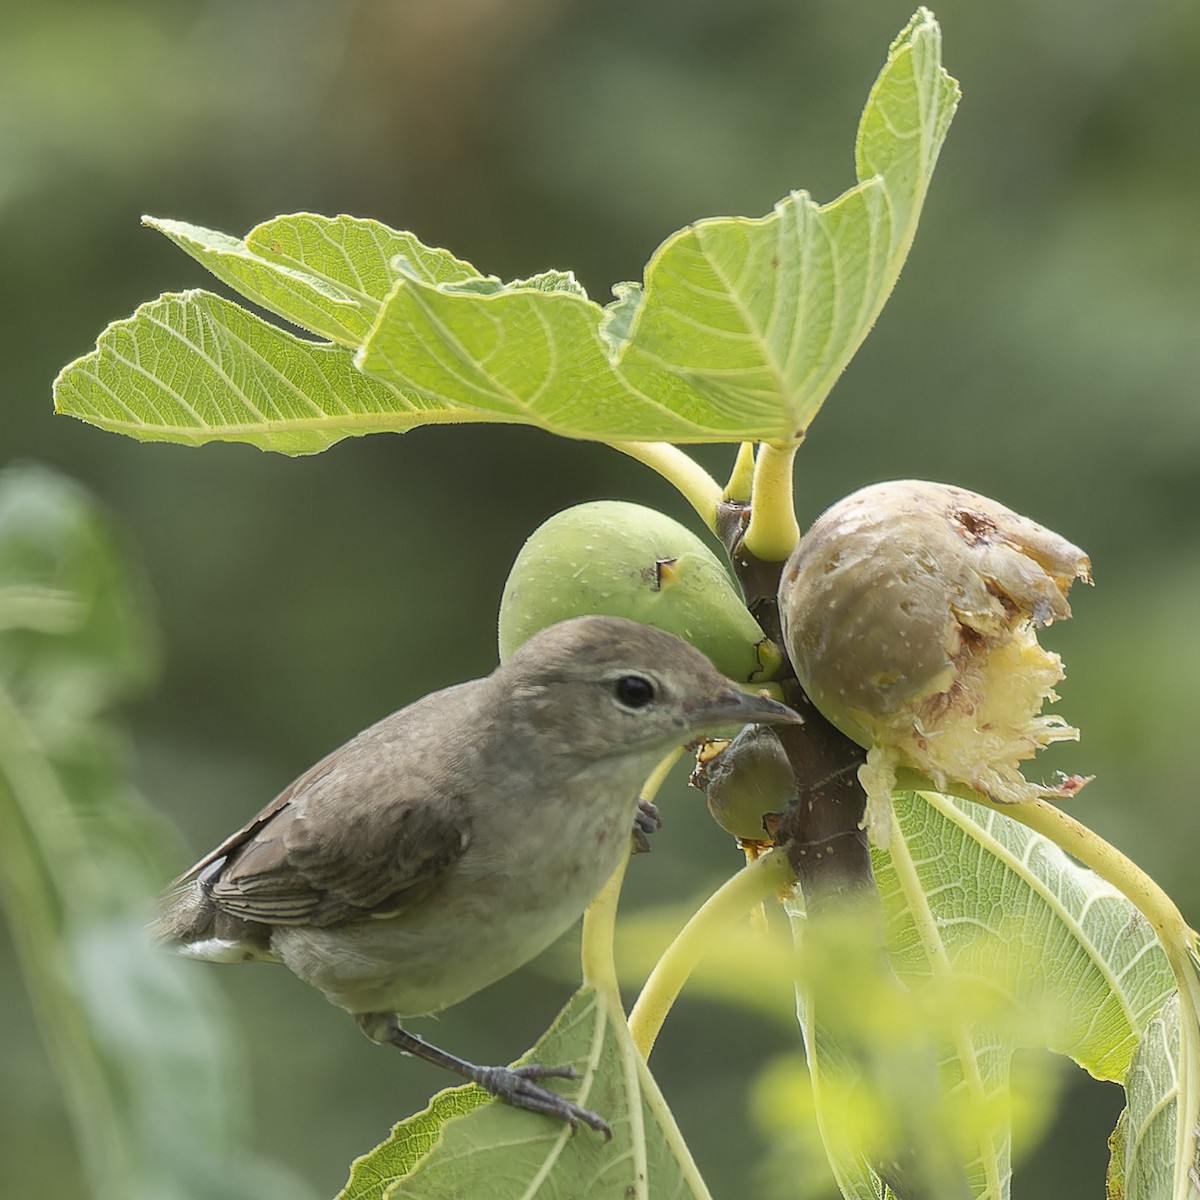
[(1040, 348)]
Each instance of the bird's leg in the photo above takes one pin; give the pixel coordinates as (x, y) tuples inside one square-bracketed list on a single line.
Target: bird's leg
[(645, 822), (514, 1085)]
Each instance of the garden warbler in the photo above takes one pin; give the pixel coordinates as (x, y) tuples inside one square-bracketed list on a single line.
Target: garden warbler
[(445, 846)]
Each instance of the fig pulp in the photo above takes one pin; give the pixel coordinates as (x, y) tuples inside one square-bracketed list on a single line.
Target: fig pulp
[(910, 612)]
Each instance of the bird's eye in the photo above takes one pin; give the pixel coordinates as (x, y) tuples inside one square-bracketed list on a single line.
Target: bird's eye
[(634, 691)]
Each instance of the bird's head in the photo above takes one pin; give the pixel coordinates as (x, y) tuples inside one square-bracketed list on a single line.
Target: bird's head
[(606, 686)]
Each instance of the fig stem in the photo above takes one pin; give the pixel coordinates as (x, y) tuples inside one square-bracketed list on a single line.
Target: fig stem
[(600, 919), (734, 899), (773, 530), (1178, 939), (680, 470), (741, 479), (596, 943)]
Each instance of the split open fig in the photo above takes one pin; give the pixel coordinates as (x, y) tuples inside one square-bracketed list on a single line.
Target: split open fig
[(910, 612)]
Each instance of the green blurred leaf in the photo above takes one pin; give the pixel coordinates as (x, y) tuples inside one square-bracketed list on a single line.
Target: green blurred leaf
[(740, 332), (467, 1145), (73, 631), (795, 1166), (742, 966), (138, 1040)]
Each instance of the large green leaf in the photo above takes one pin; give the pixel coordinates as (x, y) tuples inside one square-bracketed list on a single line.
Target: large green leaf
[(1043, 953), (138, 1040), (738, 331), (466, 1145)]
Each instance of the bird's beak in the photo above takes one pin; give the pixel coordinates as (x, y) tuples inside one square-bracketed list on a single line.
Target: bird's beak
[(735, 707)]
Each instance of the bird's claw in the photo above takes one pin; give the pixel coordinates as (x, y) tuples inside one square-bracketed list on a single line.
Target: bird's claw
[(645, 822), (515, 1086)]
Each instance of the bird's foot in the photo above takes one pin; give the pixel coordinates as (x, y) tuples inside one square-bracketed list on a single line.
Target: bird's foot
[(645, 822), (516, 1086)]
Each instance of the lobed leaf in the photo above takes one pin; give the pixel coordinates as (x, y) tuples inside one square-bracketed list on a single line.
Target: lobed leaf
[(738, 331), (760, 318)]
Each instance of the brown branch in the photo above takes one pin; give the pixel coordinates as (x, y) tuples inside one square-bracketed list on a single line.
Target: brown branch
[(820, 831)]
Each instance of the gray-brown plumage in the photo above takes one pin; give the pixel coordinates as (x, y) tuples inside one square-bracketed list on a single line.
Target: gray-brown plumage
[(450, 843)]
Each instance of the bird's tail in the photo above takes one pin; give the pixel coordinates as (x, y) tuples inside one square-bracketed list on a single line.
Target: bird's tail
[(189, 922)]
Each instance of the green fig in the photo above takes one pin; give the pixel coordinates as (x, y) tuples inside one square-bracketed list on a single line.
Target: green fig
[(613, 558), (910, 612), (745, 780)]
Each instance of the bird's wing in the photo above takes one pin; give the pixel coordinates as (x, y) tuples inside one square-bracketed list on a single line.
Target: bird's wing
[(292, 872), (363, 833)]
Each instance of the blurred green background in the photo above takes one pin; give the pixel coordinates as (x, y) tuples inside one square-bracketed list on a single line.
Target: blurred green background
[(1043, 347)]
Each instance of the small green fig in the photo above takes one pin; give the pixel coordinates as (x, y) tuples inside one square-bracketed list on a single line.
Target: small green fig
[(910, 612), (613, 558), (745, 780)]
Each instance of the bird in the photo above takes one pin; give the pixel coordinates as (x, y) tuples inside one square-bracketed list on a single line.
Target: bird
[(449, 843)]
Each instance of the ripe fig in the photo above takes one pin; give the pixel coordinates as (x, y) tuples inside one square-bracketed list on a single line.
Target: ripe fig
[(613, 558), (910, 612), (746, 780)]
